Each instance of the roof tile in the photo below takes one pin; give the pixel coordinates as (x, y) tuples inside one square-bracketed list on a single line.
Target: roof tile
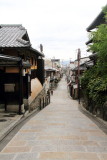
[(12, 36)]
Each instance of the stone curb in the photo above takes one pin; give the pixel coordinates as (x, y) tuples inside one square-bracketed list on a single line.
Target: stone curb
[(22, 118), (98, 121), (9, 128)]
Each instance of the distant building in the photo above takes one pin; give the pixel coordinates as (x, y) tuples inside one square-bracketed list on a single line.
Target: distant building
[(72, 75), (53, 73), (56, 63)]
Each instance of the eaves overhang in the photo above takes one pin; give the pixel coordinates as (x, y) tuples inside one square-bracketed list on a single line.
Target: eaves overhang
[(36, 52), (97, 21)]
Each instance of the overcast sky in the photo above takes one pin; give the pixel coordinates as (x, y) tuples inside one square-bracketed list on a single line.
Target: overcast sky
[(60, 25)]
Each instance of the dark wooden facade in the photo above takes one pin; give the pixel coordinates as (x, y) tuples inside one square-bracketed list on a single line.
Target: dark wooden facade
[(40, 70), (18, 67)]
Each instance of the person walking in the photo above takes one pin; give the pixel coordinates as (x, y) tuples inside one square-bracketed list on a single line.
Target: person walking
[(51, 92)]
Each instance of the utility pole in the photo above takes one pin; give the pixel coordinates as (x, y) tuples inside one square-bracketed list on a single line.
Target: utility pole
[(41, 48), (78, 74)]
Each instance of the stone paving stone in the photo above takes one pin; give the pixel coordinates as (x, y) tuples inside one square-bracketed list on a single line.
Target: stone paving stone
[(16, 149), (25, 137), (7, 156), (87, 143), (69, 142), (96, 133), (54, 155), (104, 144), (43, 142), (103, 156), (17, 143), (78, 142), (98, 138), (45, 148), (27, 156), (59, 137), (90, 131), (74, 137), (71, 148), (97, 149), (49, 137), (30, 130), (83, 156)]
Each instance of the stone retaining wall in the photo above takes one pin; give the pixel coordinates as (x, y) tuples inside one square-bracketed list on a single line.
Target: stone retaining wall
[(42, 100)]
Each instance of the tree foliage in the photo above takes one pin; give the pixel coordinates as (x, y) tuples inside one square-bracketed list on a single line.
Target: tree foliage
[(94, 80)]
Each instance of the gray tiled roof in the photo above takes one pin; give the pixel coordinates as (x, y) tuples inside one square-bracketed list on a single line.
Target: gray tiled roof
[(12, 36), (82, 67)]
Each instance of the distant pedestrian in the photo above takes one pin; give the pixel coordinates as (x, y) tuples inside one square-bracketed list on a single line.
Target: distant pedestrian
[(69, 84), (51, 92)]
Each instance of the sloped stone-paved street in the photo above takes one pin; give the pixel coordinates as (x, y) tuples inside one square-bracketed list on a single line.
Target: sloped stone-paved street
[(59, 131)]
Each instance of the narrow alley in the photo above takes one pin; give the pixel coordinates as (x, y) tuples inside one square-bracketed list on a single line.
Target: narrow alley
[(59, 131)]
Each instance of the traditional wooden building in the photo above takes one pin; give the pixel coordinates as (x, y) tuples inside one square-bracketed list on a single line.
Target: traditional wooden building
[(74, 72), (75, 83), (50, 78), (21, 69), (100, 19)]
